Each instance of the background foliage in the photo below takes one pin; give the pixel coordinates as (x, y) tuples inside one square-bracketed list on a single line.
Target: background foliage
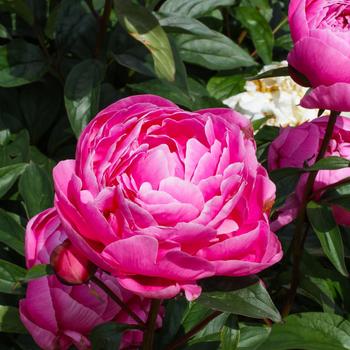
[(62, 61)]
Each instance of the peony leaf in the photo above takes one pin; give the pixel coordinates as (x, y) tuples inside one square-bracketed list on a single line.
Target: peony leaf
[(36, 189), (259, 30), (229, 334), (38, 271), (309, 331), (20, 63), (330, 163), (10, 321), (10, 277), (20, 7), (253, 301), (192, 8), (328, 233), (107, 336), (82, 93), (9, 175), (144, 27)]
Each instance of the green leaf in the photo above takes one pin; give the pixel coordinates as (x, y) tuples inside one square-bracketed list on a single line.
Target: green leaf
[(339, 195), (286, 180), (15, 150), (212, 331), (82, 93), (230, 335), (259, 31), (253, 301), (73, 27), (284, 41), (10, 277), (276, 72), (222, 87), (36, 189), (3, 32), (174, 313), (195, 313), (327, 231), (10, 321), (11, 241), (309, 331), (196, 98), (179, 24), (263, 6), (38, 271), (144, 27), (11, 232), (214, 51), (252, 336), (19, 7), (10, 223), (9, 175), (20, 63), (192, 8), (330, 163), (40, 113), (107, 336)]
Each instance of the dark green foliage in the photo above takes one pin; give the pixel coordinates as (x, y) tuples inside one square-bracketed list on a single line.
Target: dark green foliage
[(62, 61)]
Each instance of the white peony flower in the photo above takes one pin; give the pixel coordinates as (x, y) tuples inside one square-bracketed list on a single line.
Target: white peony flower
[(274, 98)]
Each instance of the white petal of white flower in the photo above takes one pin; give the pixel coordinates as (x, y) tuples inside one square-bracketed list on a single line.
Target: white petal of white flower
[(276, 99)]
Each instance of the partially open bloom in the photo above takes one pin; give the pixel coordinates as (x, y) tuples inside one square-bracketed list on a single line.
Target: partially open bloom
[(321, 31), (276, 99), (59, 316), (299, 146), (161, 197)]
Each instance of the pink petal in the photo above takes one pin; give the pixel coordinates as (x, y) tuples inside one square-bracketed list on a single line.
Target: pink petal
[(334, 97), (183, 191)]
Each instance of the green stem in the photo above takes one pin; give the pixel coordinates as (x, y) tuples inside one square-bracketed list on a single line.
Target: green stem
[(148, 335), (115, 298), (193, 331), (300, 232)]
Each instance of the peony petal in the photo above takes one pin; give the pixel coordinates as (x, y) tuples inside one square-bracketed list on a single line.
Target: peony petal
[(334, 97), (319, 72), (183, 191)]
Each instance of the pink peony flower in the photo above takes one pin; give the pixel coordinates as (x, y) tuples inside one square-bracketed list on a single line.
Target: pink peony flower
[(58, 316), (161, 197), (321, 33), (297, 146)]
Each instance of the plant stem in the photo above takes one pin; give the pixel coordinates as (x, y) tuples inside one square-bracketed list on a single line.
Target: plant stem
[(193, 331), (280, 25), (148, 335), (103, 23), (115, 298), (300, 233)]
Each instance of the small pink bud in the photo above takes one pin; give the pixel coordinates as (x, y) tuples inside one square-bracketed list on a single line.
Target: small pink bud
[(70, 266)]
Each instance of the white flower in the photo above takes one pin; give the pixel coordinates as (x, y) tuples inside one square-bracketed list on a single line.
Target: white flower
[(276, 99)]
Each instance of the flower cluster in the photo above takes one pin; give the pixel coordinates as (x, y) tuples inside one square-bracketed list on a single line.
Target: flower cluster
[(156, 199), (59, 315)]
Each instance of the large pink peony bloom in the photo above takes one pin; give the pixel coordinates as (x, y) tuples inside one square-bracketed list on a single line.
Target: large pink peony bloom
[(295, 147), (58, 316), (161, 197), (321, 33)]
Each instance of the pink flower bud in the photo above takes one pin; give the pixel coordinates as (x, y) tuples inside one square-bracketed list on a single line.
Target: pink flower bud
[(70, 266)]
